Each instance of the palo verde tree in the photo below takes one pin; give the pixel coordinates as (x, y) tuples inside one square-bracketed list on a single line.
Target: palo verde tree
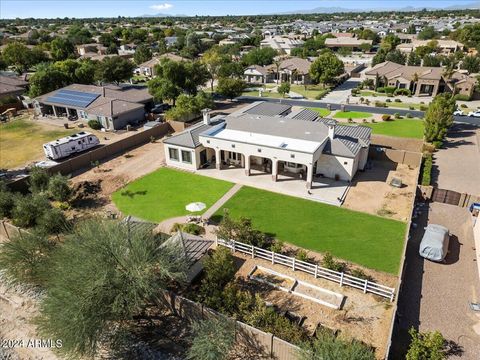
[(105, 274), (439, 118), (213, 339)]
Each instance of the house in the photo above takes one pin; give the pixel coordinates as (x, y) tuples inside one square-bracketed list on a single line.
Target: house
[(279, 142), (256, 74), (12, 86), (293, 70), (127, 50), (148, 67), (88, 50), (446, 46), (346, 42), (420, 80), (114, 106), (282, 44)]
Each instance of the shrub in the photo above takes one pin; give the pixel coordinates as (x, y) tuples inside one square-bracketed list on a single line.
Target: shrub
[(381, 89), (388, 100), (411, 108), (409, 116), (398, 100), (359, 273), (38, 179), (427, 169), (461, 97), (243, 231), (379, 104), (277, 246), (212, 339), (28, 209), (301, 255), (390, 89), (406, 92), (330, 263), (386, 117), (58, 188), (464, 106), (94, 124), (397, 116), (429, 345), (7, 201), (52, 221), (189, 228), (423, 108)]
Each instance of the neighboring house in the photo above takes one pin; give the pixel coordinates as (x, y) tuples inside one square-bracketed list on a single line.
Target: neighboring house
[(293, 70), (148, 67), (170, 40), (282, 44), (445, 46), (348, 42), (295, 143), (87, 50), (420, 80), (127, 50), (114, 106), (12, 86), (256, 74)]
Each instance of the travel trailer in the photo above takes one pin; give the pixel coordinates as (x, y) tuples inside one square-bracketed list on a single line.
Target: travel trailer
[(61, 148)]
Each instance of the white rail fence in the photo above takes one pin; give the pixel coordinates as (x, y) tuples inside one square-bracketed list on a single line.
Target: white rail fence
[(312, 269)]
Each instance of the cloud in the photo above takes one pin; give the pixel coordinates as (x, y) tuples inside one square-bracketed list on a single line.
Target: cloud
[(161, 7)]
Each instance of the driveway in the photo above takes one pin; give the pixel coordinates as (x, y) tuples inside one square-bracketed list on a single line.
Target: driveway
[(435, 296), (341, 93), (457, 164)]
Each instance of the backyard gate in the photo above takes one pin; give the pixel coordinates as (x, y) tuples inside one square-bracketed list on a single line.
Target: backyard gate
[(446, 196)]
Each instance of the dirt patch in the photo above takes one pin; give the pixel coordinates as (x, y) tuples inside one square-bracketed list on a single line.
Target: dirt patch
[(365, 317), (372, 193)]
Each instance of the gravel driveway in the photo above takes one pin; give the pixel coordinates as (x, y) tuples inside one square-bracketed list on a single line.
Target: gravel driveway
[(435, 296)]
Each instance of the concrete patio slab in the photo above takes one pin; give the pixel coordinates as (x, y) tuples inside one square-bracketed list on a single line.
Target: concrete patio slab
[(323, 190)]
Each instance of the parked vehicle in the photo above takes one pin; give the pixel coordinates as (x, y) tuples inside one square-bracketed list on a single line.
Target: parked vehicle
[(61, 148), (435, 241), (475, 113), (458, 112), (160, 108)]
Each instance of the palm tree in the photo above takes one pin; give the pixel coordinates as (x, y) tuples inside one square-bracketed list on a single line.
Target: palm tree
[(415, 80), (277, 67)]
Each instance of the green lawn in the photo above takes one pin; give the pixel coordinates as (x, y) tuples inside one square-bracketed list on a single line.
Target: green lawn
[(368, 240), (406, 128), (311, 92), (264, 94), (352, 115), (164, 194), (321, 111)]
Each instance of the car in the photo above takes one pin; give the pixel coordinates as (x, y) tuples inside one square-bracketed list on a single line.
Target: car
[(458, 112), (475, 113), (435, 242)]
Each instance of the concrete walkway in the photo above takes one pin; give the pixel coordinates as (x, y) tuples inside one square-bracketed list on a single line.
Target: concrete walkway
[(213, 209)]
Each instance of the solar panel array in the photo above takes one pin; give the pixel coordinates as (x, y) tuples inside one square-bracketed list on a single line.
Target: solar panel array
[(73, 98)]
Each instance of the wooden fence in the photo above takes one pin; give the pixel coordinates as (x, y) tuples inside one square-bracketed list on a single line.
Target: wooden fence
[(340, 278)]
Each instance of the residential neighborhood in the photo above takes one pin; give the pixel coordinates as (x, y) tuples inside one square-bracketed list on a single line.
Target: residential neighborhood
[(240, 180)]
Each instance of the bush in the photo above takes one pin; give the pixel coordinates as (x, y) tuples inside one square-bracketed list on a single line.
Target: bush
[(28, 209), (380, 104), (301, 255), (212, 339), (386, 117), (388, 100), (398, 100), (7, 201), (390, 89), (409, 116), (464, 106), (427, 169), (397, 116), (423, 108), (243, 231), (411, 108), (189, 228), (277, 246), (330, 263), (58, 188), (52, 221), (359, 273), (38, 179), (429, 345), (381, 89), (94, 124), (461, 97), (406, 92)]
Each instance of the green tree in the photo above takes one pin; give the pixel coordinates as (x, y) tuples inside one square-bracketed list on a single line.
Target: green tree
[(328, 347), (17, 55), (325, 68), (432, 60), (230, 87), (61, 49), (426, 346), (142, 53), (284, 88), (471, 64), (439, 117), (163, 90), (47, 78), (103, 276), (7, 200), (259, 56), (38, 179), (427, 33), (396, 56), (114, 70), (24, 259), (52, 221), (58, 188), (213, 339), (389, 42), (213, 61), (413, 59), (28, 209)]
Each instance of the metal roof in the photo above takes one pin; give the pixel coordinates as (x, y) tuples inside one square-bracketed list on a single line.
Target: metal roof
[(189, 137), (193, 247), (263, 108), (303, 114), (73, 98)]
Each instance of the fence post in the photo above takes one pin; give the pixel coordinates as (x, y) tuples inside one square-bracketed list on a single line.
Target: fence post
[(216, 241), (341, 279), (233, 246), (316, 271), (273, 257), (293, 264), (365, 288), (253, 252), (391, 297)]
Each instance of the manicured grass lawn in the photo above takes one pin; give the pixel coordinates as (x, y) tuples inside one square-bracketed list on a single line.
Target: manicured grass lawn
[(264, 94), (368, 240), (164, 194), (321, 111), (311, 92), (352, 115), (21, 141), (406, 128)]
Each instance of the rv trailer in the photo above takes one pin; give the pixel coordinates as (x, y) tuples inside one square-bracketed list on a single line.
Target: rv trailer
[(61, 148)]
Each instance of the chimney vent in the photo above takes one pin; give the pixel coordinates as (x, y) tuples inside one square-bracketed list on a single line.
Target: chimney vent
[(206, 116), (331, 124)]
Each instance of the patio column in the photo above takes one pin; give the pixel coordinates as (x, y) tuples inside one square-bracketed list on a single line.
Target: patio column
[(218, 159), (54, 111), (309, 176), (247, 165), (274, 170)]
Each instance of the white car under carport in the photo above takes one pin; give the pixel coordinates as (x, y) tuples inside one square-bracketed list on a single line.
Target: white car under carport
[(435, 241)]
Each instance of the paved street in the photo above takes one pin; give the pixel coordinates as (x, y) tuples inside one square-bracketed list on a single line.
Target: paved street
[(435, 296), (370, 109), (457, 163)]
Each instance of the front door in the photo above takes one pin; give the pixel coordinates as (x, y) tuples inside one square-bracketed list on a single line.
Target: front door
[(203, 157)]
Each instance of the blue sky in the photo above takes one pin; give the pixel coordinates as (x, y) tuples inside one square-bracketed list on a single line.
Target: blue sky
[(113, 8)]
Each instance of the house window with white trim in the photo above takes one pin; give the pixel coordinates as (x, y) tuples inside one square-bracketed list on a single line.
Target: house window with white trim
[(173, 154), (186, 156)]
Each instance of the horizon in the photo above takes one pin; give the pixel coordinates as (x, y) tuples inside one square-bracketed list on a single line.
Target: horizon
[(10, 9)]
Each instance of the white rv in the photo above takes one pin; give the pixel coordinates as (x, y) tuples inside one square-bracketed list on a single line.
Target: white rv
[(69, 145)]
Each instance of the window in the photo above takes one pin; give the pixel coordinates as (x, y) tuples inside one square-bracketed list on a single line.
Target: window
[(233, 146), (345, 163), (292, 156), (186, 156), (173, 154), (259, 150), (208, 141)]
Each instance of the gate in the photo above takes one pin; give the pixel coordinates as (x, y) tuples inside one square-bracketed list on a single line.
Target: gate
[(446, 196)]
